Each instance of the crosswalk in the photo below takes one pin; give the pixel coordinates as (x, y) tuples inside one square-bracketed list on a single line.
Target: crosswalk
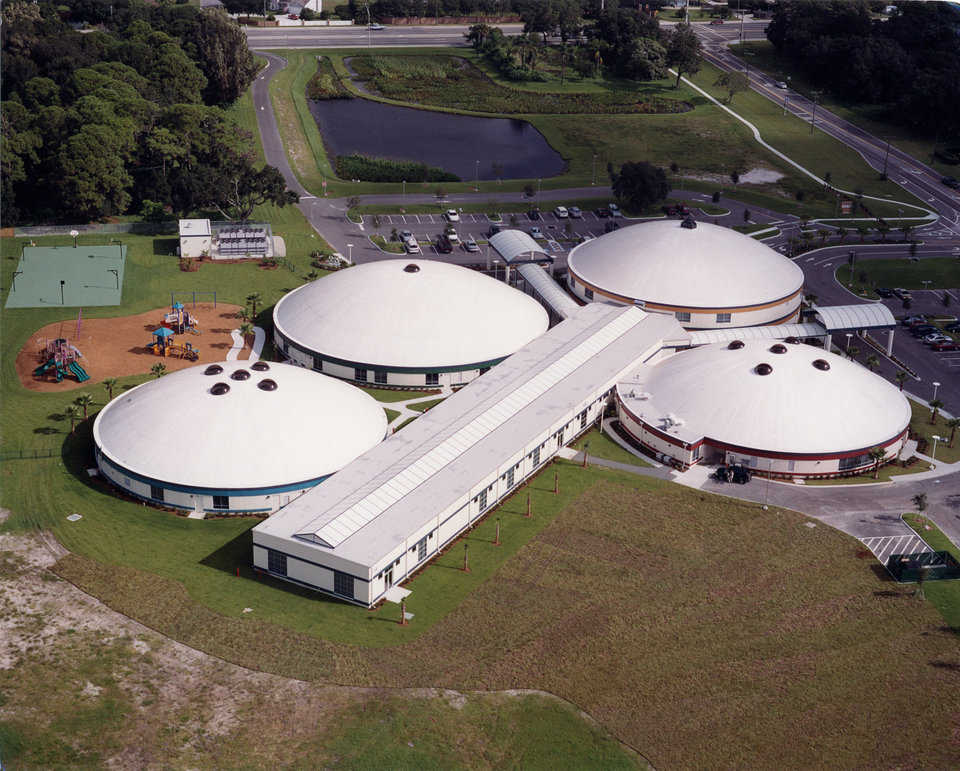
[(883, 546)]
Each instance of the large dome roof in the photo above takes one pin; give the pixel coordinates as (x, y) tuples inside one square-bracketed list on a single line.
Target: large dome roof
[(703, 267), (809, 402), (279, 425), (410, 313)]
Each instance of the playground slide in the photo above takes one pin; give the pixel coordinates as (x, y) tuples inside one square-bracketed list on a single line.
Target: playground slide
[(78, 372), (44, 367)]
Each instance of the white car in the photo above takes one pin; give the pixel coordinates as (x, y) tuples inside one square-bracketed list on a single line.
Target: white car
[(574, 212), (561, 212), (452, 235), (614, 210), (937, 337), (452, 215), (535, 232), (471, 246), (375, 26), (409, 241), (412, 247), (781, 85)]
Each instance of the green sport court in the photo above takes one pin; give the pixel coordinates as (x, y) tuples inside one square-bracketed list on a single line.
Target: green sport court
[(86, 275)]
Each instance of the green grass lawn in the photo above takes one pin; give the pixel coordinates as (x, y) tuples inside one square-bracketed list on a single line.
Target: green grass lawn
[(886, 473), (602, 446), (922, 426), (388, 246), (243, 114), (762, 55), (424, 406), (944, 595), (391, 414), (394, 395), (941, 272)]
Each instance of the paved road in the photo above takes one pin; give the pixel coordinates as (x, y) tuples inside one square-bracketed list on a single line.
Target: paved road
[(903, 169), (354, 37)]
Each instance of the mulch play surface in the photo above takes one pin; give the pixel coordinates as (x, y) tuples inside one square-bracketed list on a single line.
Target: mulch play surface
[(117, 347)]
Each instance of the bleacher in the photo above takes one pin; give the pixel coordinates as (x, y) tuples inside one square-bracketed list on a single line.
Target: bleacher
[(243, 241)]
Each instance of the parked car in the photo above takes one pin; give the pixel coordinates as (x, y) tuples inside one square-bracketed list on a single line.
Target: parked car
[(494, 229), (603, 213), (451, 233), (575, 212), (683, 210), (561, 212), (535, 232), (715, 22), (937, 337), (955, 327), (670, 211), (883, 292), (920, 330), (534, 214), (412, 247), (610, 226), (614, 210), (293, 17), (951, 182), (471, 246), (409, 241), (443, 244), (902, 294), (452, 215), (945, 345), (915, 318), (781, 85)]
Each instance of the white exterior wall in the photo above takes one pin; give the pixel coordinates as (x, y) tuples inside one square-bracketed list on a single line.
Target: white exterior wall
[(748, 318), (179, 499), (652, 440), (399, 379), (195, 246)]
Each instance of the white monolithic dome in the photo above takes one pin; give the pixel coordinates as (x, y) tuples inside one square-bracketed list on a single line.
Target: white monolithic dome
[(407, 323), (707, 276), (235, 436), (782, 408)]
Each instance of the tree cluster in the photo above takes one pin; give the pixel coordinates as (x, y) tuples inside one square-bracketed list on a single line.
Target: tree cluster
[(126, 117), (910, 63), (639, 185)]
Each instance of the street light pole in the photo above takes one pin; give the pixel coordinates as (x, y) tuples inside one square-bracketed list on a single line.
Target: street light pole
[(813, 118), (886, 155), (933, 456), (350, 257), (849, 335), (936, 385)]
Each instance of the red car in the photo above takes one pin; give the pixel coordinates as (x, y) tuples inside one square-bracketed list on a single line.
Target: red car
[(946, 345)]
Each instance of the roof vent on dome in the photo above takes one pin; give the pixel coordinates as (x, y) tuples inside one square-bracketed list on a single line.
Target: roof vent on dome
[(260, 366), (734, 345), (267, 384), (763, 369), (213, 369), (411, 268), (778, 348), (219, 389), (821, 364), (240, 374), (689, 223), (792, 340)]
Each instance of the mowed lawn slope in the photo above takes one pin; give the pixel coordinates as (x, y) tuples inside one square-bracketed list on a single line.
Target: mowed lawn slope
[(699, 630)]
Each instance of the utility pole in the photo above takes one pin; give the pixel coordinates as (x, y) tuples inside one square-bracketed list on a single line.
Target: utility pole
[(886, 155), (813, 118)]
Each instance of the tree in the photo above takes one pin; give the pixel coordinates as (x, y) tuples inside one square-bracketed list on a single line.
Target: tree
[(110, 383), (243, 314), (852, 352), (913, 248), (683, 51), (72, 413), (84, 401), (220, 47), (246, 329), (254, 298), (477, 35), (647, 60), (159, 369), (872, 362), (953, 424), (640, 185), (735, 176), (237, 186), (946, 299), (935, 406), (811, 300), (901, 378), (842, 232), (877, 454), (746, 216), (733, 83), (920, 502)]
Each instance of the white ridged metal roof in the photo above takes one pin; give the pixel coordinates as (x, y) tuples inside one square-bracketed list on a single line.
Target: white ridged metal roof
[(773, 332), (549, 290), (372, 505), (511, 244), (841, 318)]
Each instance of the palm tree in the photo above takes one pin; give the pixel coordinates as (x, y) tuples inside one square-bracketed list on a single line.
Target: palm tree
[(935, 406), (159, 369), (872, 362), (84, 401), (254, 298), (862, 231), (72, 413), (953, 424), (900, 377), (246, 329), (877, 454), (842, 232), (811, 300), (822, 234), (243, 314), (852, 352), (110, 383), (920, 501)]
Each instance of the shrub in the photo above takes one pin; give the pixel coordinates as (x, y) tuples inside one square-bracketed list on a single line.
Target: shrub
[(325, 84), (369, 169)]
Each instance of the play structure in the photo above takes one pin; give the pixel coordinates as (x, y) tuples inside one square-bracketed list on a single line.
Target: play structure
[(165, 344), (180, 321), (59, 359)]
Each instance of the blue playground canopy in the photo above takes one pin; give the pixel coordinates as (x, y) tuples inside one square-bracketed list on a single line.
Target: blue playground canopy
[(178, 306), (163, 332)]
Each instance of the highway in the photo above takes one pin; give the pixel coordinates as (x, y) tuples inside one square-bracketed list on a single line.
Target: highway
[(265, 39)]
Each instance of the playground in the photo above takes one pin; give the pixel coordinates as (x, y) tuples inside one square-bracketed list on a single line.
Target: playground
[(126, 345), (68, 276)]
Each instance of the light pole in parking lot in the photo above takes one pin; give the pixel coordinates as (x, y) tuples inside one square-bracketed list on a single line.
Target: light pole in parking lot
[(404, 183), (849, 335), (350, 256), (936, 385), (933, 455)]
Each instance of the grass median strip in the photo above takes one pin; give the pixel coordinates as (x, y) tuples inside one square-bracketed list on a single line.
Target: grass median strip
[(944, 595)]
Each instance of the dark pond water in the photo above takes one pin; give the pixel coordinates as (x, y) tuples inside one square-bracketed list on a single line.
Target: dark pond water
[(452, 142)]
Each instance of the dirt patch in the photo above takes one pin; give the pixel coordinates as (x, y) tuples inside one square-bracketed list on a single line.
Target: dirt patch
[(117, 347)]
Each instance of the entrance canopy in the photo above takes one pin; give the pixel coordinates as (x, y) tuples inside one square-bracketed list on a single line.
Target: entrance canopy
[(854, 318)]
